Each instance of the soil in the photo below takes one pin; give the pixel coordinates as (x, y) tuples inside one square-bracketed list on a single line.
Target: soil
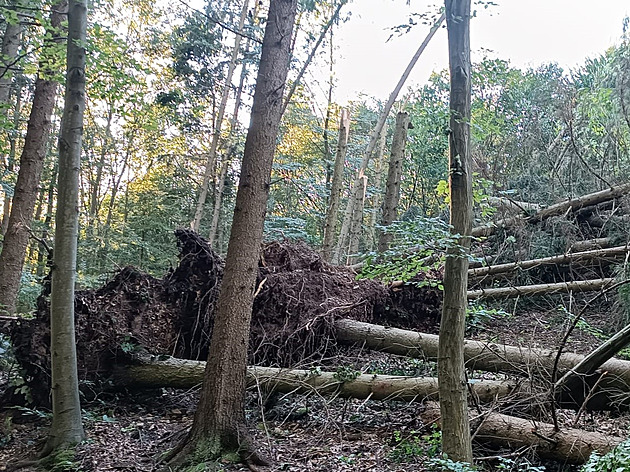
[(298, 296)]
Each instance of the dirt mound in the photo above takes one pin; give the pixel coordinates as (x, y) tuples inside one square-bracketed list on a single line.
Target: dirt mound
[(298, 296)]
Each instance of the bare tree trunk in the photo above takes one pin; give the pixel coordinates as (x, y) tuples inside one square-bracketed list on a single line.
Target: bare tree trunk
[(180, 373), (219, 423), (456, 443), (569, 445), (356, 224), (330, 224), (216, 136), (394, 174), (559, 287), (29, 175), (6, 210), (374, 137), (612, 254), (10, 46), (67, 428), (379, 164)]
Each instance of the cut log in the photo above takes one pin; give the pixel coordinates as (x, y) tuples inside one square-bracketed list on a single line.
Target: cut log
[(560, 287), (589, 244), (513, 206), (179, 373), (612, 254), (612, 391), (557, 209), (568, 445)]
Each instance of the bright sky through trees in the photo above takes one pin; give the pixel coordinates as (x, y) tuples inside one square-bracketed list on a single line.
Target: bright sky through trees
[(525, 33)]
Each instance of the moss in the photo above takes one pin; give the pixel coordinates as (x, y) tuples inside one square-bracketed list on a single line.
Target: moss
[(61, 460)]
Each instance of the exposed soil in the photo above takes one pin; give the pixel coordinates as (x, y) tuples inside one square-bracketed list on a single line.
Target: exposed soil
[(298, 296)]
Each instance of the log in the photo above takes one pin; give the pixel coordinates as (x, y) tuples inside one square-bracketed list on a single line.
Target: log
[(612, 253), (513, 206), (560, 287), (597, 243), (557, 209), (612, 391), (568, 445), (179, 373)]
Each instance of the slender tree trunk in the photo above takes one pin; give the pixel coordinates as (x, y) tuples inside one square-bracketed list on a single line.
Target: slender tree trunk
[(66, 428), (456, 442), (348, 214), (379, 164), (29, 175), (10, 46), (394, 174), (356, 224), (6, 210), (330, 224), (212, 156), (219, 422)]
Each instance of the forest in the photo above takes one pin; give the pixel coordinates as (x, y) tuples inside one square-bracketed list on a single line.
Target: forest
[(207, 263)]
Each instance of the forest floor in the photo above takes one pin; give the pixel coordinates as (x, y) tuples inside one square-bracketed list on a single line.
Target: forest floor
[(129, 431)]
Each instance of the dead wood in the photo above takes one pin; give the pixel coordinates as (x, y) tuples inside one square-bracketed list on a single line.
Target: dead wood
[(556, 209), (559, 287), (180, 373), (613, 391), (610, 254), (589, 244), (568, 445)]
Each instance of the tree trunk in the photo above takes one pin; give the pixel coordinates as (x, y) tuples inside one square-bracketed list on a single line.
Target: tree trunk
[(17, 113), (66, 428), (612, 254), (219, 422), (29, 175), (216, 136), (374, 137), (456, 443), (379, 164), (179, 373), (394, 174), (356, 223), (557, 209), (568, 445), (330, 224), (10, 45), (492, 357), (560, 287)]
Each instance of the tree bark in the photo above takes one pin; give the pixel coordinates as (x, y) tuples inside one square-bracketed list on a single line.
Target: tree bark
[(612, 254), (67, 428), (10, 45), (219, 422), (330, 224), (216, 136), (557, 209), (29, 175), (356, 223), (456, 443), (374, 137), (492, 357), (560, 287), (179, 373), (568, 445), (394, 174)]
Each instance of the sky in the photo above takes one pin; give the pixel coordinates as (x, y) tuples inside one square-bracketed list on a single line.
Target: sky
[(527, 33)]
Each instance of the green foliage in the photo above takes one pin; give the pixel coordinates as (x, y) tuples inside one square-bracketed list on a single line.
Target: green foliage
[(346, 374), (412, 446), (418, 245), (439, 464), (617, 460), (478, 315)]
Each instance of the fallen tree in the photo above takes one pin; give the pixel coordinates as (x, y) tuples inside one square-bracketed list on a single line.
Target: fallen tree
[(612, 392), (559, 287), (159, 372), (610, 254), (556, 209), (569, 445)]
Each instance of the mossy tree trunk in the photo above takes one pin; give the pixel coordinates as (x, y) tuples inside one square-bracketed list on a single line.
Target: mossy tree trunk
[(456, 442), (67, 428), (219, 422)]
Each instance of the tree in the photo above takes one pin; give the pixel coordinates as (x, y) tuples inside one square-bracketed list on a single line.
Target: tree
[(31, 165), (219, 420), (456, 442), (66, 428)]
